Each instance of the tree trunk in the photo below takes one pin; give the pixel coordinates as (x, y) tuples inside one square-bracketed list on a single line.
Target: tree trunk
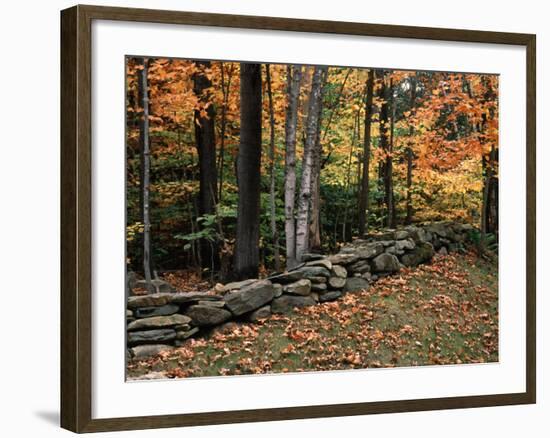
[(303, 216), (206, 147), (364, 196), (294, 76), (315, 222), (145, 170), (390, 204), (384, 144), (409, 153), (274, 232), (248, 173)]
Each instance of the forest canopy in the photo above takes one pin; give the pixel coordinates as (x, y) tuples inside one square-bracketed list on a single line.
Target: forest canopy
[(234, 168)]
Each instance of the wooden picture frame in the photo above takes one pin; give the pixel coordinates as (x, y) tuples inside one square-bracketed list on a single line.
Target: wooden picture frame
[(76, 218)]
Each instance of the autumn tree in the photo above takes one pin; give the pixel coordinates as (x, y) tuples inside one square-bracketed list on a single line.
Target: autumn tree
[(246, 258), (145, 169), (204, 118), (303, 210), (294, 77), (364, 198)]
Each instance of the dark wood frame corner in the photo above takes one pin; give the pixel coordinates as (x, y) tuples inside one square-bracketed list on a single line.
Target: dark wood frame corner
[(76, 173)]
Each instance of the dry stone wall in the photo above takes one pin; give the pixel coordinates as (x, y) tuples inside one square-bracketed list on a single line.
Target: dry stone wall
[(164, 320)]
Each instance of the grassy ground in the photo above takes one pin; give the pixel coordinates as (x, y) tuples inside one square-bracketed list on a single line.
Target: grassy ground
[(442, 313)]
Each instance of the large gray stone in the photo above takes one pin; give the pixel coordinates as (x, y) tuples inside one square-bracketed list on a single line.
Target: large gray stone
[(401, 234), (423, 252), (277, 290), (325, 263), (286, 277), (355, 284), (148, 300), (336, 282), (145, 312), (285, 303), (155, 322), (360, 267), (339, 271), (385, 263), (404, 244), (193, 297), (143, 351), (330, 296), (207, 315), (261, 313), (250, 297), (300, 287), (151, 336), (314, 271), (236, 285), (343, 258)]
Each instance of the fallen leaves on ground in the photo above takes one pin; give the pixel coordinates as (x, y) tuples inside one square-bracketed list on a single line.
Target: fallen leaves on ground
[(445, 312)]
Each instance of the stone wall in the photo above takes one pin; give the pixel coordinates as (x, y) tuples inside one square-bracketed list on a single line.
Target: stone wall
[(166, 319)]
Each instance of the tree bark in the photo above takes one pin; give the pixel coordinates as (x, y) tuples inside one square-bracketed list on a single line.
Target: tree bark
[(364, 196), (315, 222), (384, 143), (303, 215), (272, 194), (206, 147), (410, 156), (145, 170), (248, 173), (294, 77), (390, 204)]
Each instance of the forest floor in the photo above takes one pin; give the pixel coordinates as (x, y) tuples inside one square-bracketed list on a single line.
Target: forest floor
[(445, 312)]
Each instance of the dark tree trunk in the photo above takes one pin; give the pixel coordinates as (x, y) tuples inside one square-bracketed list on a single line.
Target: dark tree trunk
[(390, 204), (226, 86), (410, 156), (294, 77), (364, 196), (145, 172), (384, 144), (206, 148), (272, 194), (248, 173)]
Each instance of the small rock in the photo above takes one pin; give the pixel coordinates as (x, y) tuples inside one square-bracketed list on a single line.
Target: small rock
[(339, 271), (219, 288), (286, 303), (218, 304), (315, 296), (343, 258), (330, 296), (142, 351), (261, 313), (308, 257), (277, 290), (359, 267), (151, 336), (443, 251), (129, 313), (184, 334), (145, 312), (158, 322), (206, 315), (355, 284), (193, 297), (182, 327), (336, 282), (404, 244), (300, 287), (318, 287), (367, 276), (317, 280)]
